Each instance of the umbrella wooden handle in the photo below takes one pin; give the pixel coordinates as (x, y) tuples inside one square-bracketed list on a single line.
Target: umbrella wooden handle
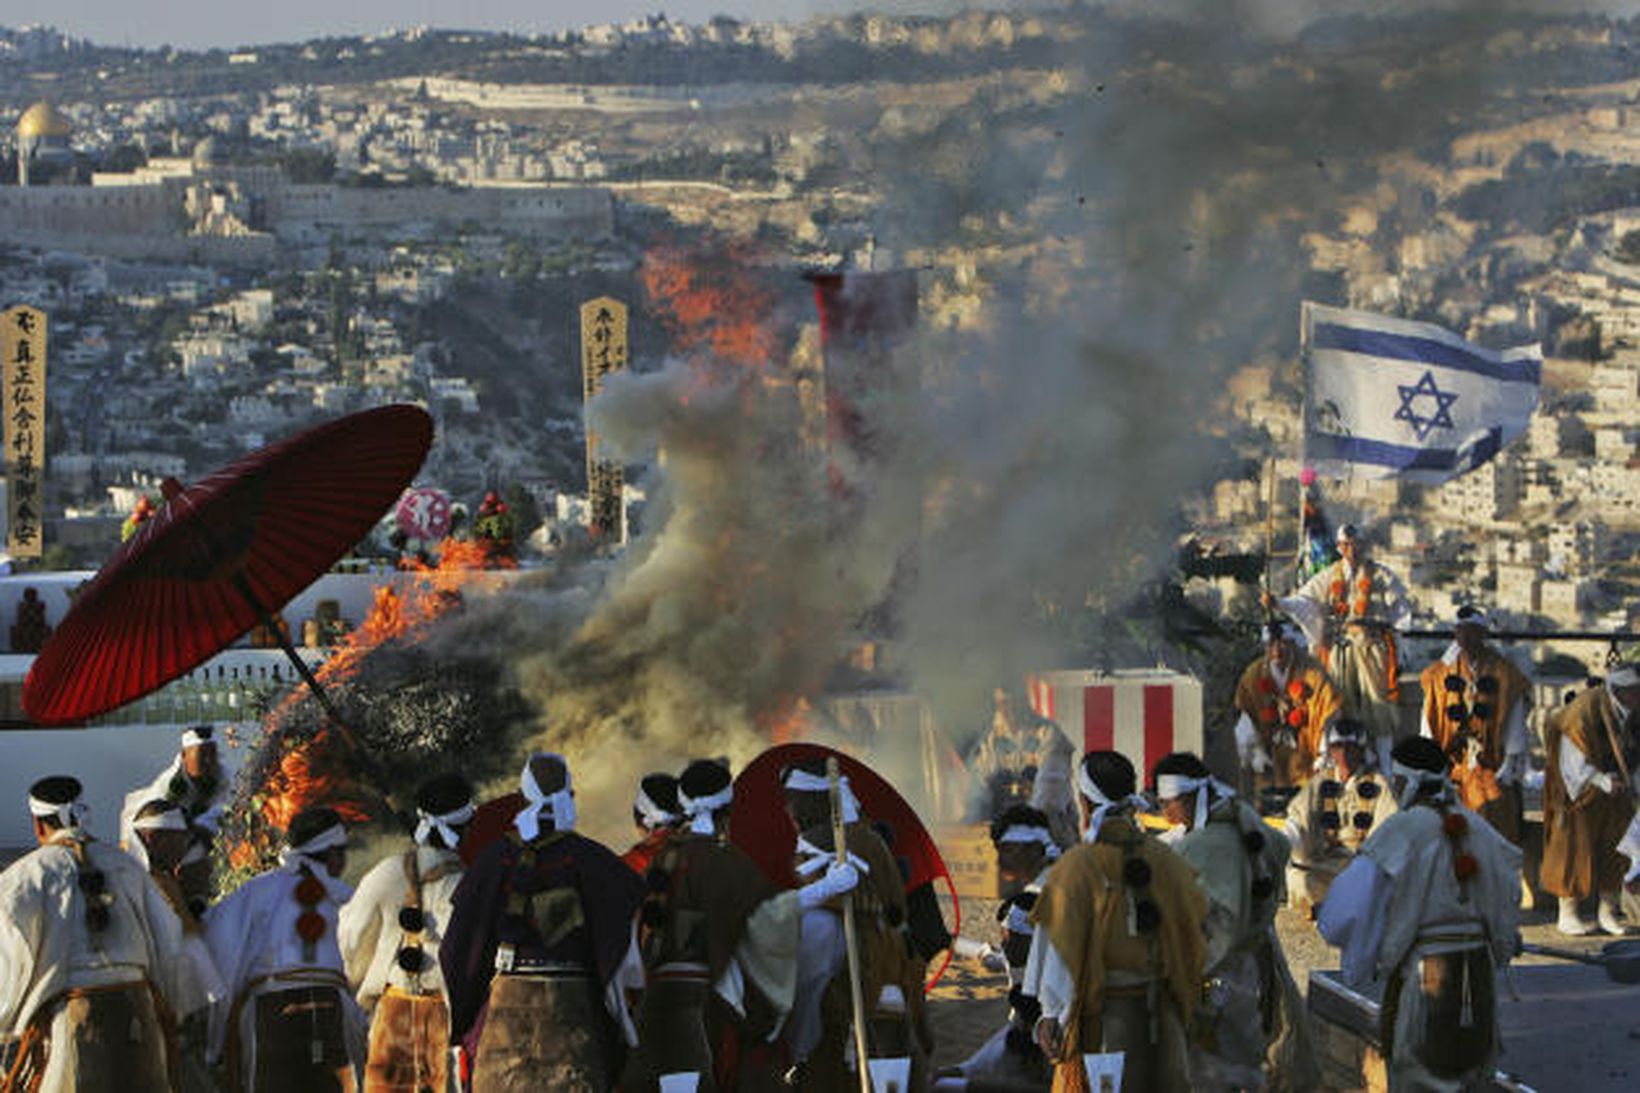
[(317, 689), (839, 840)]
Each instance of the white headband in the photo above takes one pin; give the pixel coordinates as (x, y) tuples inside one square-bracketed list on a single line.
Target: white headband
[(1177, 785), (560, 805), (69, 813), (1030, 833), (1286, 631), (1102, 803), (330, 838), (700, 809), (801, 781), (193, 738), (1418, 780), (653, 814), (1334, 736), (444, 824), (171, 819), (1475, 617)]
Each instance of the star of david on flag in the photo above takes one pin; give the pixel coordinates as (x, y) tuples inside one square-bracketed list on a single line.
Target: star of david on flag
[(1390, 396)]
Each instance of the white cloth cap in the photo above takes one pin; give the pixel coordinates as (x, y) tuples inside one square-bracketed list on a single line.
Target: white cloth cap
[(1470, 615), (559, 806), (330, 838), (1624, 675), (444, 823), (68, 814), (1102, 804), (1418, 781), (653, 814), (171, 819), (1031, 833), (193, 737), (1169, 786), (701, 809), (801, 781)]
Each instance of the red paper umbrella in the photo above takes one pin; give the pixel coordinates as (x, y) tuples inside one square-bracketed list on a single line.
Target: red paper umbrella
[(760, 825), (220, 556)]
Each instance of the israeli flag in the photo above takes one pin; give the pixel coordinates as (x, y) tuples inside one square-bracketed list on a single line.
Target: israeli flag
[(1392, 397)]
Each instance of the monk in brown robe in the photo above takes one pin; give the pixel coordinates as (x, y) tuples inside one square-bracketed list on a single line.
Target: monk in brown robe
[(1116, 960), (1475, 704), (891, 972), (1286, 702), (1588, 799)]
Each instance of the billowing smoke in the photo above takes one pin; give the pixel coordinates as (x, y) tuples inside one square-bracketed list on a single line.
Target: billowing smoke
[(1103, 238)]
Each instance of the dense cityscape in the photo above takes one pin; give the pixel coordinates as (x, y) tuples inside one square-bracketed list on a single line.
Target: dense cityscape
[(962, 357)]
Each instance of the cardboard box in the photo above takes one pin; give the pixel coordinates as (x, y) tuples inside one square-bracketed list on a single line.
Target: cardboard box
[(970, 857)]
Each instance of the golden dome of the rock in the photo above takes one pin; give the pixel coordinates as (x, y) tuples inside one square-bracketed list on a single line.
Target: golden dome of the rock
[(42, 120)]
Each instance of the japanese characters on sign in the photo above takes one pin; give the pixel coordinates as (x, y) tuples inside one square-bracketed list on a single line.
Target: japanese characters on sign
[(603, 350), (23, 348)]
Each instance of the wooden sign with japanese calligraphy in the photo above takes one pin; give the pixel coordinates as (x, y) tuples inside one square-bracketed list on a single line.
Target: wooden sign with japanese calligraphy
[(23, 349), (603, 350)]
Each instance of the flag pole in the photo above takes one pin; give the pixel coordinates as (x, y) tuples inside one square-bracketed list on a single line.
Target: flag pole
[(1270, 535), (1300, 544)]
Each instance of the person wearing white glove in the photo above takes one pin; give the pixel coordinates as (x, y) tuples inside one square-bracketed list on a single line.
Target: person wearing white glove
[(840, 877), (871, 879)]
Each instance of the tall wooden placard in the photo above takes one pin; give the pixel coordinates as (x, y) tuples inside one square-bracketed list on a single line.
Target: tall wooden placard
[(23, 350), (603, 350)]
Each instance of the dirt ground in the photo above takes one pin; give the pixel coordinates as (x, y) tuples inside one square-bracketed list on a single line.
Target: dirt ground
[(969, 1003)]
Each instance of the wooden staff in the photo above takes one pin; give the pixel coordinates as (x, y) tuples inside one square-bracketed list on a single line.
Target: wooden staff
[(1270, 538), (839, 841)]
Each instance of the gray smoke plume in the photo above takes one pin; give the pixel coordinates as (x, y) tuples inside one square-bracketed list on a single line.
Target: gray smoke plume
[(1105, 237)]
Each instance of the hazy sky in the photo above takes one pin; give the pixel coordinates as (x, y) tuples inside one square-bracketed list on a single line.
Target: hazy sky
[(206, 23), (198, 24)]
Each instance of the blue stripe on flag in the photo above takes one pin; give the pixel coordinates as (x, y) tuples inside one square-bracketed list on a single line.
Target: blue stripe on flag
[(1407, 347), (1403, 457)]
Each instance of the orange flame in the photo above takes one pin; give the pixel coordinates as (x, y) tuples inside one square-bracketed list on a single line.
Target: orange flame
[(313, 771), (715, 308)]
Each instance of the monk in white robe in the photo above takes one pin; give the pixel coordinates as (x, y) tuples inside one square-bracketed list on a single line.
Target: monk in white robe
[(1350, 612), (1334, 814), (1250, 1017), (1426, 913), (91, 965), (389, 934), (293, 1024)]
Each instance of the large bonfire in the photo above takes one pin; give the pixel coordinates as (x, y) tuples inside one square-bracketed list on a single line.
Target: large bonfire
[(405, 713)]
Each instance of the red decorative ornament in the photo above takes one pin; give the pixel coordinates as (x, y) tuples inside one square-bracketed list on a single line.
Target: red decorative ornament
[(1296, 718), (1361, 605), (309, 891), (1338, 587), (1268, 715), (1454, 825), (310, 926), (1297, 690), (1266, 685), (1465, 866)]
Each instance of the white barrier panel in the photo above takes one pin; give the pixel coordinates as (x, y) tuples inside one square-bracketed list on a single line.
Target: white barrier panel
[(1104, 1072), (1142, 713), (890, 1075)]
